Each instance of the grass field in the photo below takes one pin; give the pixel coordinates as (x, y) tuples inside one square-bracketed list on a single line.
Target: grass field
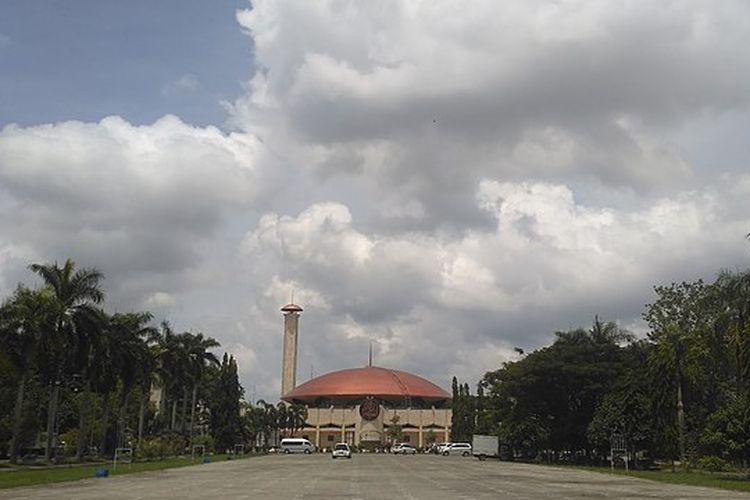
[(725, 481), (27, 476)]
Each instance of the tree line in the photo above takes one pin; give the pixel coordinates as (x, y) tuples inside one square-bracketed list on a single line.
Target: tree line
[(682, 393), (79, 382)]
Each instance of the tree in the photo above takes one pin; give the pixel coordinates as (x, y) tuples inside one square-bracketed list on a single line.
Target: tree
[(199, 359), (546, 400), (267, 420), (76, 293), (131, 330), (224, 403), (728, 432), (732, 291), (627, 408), (677, 323), (296, 418), (23, 319), (171, 370)]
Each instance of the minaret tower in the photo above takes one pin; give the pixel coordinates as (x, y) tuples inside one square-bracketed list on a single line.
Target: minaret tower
[(289, 360)]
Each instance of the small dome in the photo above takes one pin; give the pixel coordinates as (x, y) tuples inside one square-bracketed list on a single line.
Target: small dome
[(291, 308), (374, 381)]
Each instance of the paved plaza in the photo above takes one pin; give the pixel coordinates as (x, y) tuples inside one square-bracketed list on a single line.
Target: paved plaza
[(367, 476)]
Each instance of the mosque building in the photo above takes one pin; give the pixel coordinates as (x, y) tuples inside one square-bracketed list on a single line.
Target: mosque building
[(359, 405)]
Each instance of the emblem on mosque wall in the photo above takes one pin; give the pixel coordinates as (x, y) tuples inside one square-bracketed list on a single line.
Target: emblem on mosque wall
[(369, 409)]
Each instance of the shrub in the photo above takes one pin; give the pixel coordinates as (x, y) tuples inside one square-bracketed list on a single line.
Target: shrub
[(206, 440), (157, 448), (713, 464)]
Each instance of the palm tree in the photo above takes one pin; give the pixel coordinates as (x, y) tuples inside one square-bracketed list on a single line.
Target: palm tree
[(197, 347), (678, 320), (75, 295), (269, 421), (146, 380), (105, 372), (297, 417), (85, 367), (172, 370), (131, 332), (23, 318), (282, 418), (609, 333)]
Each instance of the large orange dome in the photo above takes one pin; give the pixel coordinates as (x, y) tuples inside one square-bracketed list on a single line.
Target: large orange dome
[(373, 381)]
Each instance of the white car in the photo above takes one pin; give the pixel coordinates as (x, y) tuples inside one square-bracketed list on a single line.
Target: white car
[(403, 449), (463, 449), (341, 450)]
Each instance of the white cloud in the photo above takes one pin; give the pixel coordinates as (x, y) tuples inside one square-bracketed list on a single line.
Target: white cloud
[(185, 83), (136, 201), (160, 300), (549, 260), (446, 180)]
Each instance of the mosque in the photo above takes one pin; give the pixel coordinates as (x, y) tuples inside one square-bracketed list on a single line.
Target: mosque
[(359, 405)]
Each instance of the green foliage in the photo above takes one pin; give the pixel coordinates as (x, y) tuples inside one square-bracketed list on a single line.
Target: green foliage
[(547, 400), (627, 407), (728, 430), (205, 440), (713, 464), (88, 375), (462, 418), (161, 448), (224, 403)]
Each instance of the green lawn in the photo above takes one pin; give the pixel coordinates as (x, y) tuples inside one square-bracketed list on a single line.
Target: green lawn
[(26, 476), (725, 481)]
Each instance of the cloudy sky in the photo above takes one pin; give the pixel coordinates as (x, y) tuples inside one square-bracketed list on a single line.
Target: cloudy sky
[(446, 180)]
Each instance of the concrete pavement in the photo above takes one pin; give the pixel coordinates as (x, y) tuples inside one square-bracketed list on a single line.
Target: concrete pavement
[(368, 477)]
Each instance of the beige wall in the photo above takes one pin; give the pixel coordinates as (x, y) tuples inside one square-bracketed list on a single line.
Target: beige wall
[(347, 420)]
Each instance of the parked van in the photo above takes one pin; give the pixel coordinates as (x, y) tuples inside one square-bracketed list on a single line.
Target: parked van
[(296, 445)]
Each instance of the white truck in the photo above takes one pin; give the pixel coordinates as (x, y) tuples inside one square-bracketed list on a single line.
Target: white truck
[(485, 446)]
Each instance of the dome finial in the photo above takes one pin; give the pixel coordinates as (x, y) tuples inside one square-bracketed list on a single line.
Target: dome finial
[(369, 363)]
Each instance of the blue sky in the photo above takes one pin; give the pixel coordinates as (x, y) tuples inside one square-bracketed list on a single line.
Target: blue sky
[(86, 59)]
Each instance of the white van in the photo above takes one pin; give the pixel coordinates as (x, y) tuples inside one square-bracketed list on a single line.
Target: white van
[(296, 445)]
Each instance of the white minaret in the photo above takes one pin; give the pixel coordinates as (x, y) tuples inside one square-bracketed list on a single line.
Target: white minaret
[(289, 357)]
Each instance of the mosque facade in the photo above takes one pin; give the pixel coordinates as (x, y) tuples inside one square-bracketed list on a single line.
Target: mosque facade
[(363, 406)]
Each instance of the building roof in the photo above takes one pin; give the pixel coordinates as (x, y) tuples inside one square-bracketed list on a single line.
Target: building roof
[(291, 308), (374, 381)]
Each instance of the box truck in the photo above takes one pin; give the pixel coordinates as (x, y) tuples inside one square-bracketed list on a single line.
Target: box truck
[(485, 446)]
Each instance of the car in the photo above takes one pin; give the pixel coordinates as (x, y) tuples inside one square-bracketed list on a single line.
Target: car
[(403, 449), (341, 450), (463, 449)]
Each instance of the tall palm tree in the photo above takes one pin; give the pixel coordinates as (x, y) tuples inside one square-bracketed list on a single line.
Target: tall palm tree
[(171, 370), (678, 321), (200, 358), (76, 293), (146, 380), (85, 367), (131, 333), (105, 373), (23, 318)]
